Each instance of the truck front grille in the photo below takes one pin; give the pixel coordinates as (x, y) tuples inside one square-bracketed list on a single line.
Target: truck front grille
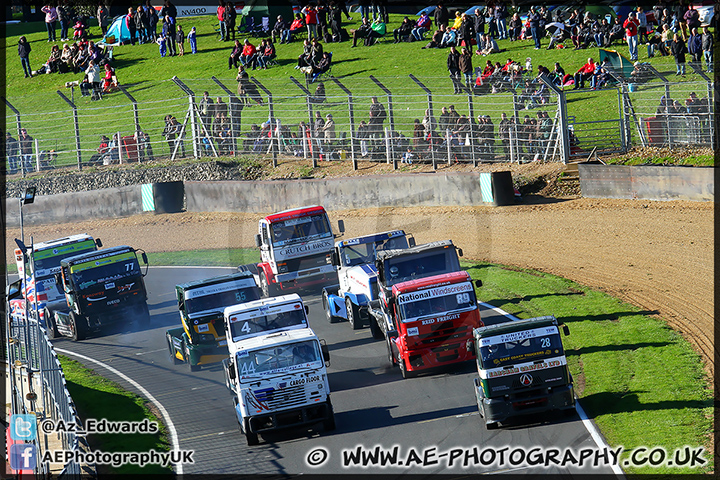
[(276, 399)]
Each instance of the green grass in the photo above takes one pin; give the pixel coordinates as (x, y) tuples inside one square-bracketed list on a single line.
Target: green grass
[(99, 398), (640, 381), (147, 78), (215, 258)]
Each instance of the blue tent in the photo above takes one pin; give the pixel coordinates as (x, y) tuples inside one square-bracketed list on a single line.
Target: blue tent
[(117, 33), (426, 10), (471, 10)]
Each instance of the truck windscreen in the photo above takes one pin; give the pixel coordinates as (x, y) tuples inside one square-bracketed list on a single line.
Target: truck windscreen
[(282, 357), (220, 300), (254, 322), (308, 228), (110, 269), (425, 303), (411, 267), (500, 352), (363, 253), (49, 258)]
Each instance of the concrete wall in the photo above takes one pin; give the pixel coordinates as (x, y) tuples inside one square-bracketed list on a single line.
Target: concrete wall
[(401, 190), (647, 182), (76, 206)]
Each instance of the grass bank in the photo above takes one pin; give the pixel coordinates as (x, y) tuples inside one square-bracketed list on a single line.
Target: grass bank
[(99, 398)]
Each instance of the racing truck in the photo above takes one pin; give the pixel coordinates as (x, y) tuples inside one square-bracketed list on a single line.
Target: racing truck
[(200, 340), (101, 288), (39, 288), (295, 250), (427, 308), (357, 285), (522, 369), (276, 369)]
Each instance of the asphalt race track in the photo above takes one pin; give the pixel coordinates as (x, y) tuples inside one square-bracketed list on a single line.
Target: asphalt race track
[(434, 416)]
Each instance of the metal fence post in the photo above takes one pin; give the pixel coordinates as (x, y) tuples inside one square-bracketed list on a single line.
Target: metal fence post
[(19, 128), (430, 116), (192, 108), (391, 115), (77, 128), (136, 116), (310, 114), (270, 117), (471, 118), (352, 121), (624, 128)]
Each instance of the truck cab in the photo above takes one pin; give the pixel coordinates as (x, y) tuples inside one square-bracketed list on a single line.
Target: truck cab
[(100, 288), (276, 369), (522, 369), (200, 340), (43, 264), (354, 260), (295, 250)]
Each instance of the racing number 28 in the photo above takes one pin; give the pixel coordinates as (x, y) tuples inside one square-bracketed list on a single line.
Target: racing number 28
[(545, 342)]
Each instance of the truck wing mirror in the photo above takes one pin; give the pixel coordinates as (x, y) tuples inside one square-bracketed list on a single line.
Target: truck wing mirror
[(59, 283), (143, 255), (411, 241), (459, 250), (566, 330), (341, 226), (307, 310), (98, 243), (325, 352), (231, 370), (258, 240), (392, 333), (335, 258), (478, 283), (471, 347)]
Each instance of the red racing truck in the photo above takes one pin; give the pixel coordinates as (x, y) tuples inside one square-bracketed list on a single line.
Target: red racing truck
[(427, 320), (295, 250)]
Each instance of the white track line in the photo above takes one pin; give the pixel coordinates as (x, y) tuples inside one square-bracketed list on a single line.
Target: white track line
[(148, 395), (589, 425)]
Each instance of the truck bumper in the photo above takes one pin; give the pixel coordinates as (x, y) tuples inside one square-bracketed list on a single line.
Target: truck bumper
[(205, 354), (306, 278), (502, 408), (295, 417), (438, 355)]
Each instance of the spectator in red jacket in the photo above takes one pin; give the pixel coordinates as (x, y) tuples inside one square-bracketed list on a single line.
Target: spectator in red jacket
[(311, 20), (631, 35), (584, 73), (249, 55)]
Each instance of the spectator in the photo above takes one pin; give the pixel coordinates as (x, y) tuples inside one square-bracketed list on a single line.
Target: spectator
[(145, 151), (101, 151), (707, 47), (168, 31), (642, 25), (631, 35), (53, 63), (515, 25), (377, 30), (600, 30), (692, 17), (438, 38), (281, 30), (363, 133), (130, 24), (421, 26), (489, 46), (489, 14), (694, 46), (429, 124), (180, 40), (500, 17), (319, 96), (230, 18), (449, 38), (377, 118), (64, 16), (162, 45), (297, 25), (453, 66), (12, 149), (246, 89), (403, 31), (465, 64), (221, 110), (266, 53), (504, 132), (103, 17), (666, 37), (222, 20), (655, 43), (316, 51), (444, 120), (441, 15), (311, 20), (478, 26), (318, 125), (534, 19), (617, 32), (600, 76), (206, 107), (466, 32), (140, 24), (249, 55), (235, 55), (66, 59), (24, 50), (361, 32), (304, 58), (26, 143), (678, 50), (407, 156), (110, 81), (50, 20), (458, 21), (584, 73), (328, 129), (178, 132), (192, 38)]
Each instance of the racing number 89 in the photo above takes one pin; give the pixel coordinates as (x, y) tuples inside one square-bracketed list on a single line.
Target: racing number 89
[(462, 298)]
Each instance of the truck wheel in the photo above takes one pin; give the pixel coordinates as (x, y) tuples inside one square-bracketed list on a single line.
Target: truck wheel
[(50, 326), (353, 315), (403, 368), (328, 312), (492, 425), (250, 437), (186, 354), (375, 329), (171, 348), (78, 325), (268, 289)]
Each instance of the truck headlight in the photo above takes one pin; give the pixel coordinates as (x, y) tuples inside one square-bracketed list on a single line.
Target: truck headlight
[(282, 268)]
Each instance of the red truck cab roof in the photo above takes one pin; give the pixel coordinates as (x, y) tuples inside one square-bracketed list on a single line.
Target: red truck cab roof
[(430, 282), (295, 213)]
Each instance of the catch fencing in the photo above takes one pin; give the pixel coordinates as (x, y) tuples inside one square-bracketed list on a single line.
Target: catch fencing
[(291, 119), (38, 386)]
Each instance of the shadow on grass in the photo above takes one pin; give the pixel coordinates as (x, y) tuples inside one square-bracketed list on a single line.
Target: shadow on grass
[(608, 316), (605, 403), (614, 348)]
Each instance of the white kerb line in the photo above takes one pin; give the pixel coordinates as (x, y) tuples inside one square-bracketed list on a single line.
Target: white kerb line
[(589, 426), (165, 414)]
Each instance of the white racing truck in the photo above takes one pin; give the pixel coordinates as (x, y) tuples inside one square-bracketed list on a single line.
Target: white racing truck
[(276, 369), (357, 285)]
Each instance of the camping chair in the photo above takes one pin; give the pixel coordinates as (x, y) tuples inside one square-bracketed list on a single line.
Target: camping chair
[(262, 30), (323, 75), (246, 24)]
